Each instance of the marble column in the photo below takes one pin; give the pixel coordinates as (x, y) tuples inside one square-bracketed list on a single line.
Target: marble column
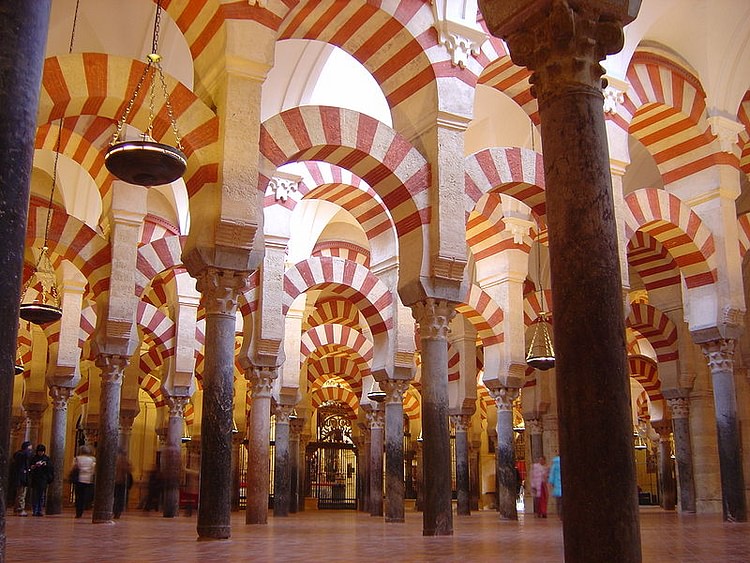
[(295, 429), (505, 459), (680, 409), (720, 356), (562, 44), (126, 430), (23, 27), (60, 396), (461, 424), (112, 367), (419, 456), (666, 468), (394, 449), (433, 317), (534, 429), (475, 454), (363, 468), (260, 380), (304, 441), (171, 458), (219, 289), (376, 420), (282, 462)]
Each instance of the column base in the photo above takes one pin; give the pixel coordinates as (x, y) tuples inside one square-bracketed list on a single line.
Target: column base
[(395, 519), (208, 533)]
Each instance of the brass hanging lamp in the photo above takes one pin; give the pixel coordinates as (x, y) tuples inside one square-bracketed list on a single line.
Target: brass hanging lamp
[(541, 353), (145, 162), (376, 394)]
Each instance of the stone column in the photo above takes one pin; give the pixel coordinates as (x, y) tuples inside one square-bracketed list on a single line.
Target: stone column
[(461, 423), (126, 429), (505, 459), (258, 473), (34, 412), (562, 47), (112, 367), (304, 441), (433, 317), (666, 472), (282, 463), (295, 429), (475, 454), (394, 449), (534, 428), (363, 468), (24, 31), (171, 458), (219, 289), (59, 396), (680, 409), (720, 356), (376, 420)]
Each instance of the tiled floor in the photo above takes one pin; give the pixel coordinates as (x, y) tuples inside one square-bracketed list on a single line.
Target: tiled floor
[(349, 536)]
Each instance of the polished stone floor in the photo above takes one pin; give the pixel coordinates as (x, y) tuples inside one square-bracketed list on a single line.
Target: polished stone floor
[(348, 536)]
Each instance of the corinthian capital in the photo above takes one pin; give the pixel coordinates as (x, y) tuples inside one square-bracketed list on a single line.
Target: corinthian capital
[(220, 289), (504, 397), (433, 317), (261, 380), (719, 354)]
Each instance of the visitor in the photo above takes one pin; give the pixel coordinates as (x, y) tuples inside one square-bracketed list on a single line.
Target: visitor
[(539, 472), (85, 466), (123, 482), (555, 481), (20, 476), (41, 474)]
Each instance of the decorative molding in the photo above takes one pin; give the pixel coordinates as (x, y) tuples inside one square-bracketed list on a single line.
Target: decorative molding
[(719, 354), (433, 317), (458, 31), (282, 187), (679, 407), (727, 132)]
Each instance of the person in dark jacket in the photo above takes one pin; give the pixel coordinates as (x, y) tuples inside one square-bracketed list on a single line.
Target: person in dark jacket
[(41, 474), (20, 476)]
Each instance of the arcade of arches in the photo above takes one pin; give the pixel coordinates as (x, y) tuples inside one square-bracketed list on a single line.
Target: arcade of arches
[(355, 259)]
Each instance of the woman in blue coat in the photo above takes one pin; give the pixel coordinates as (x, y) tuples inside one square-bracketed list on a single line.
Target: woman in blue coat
[(555, 482)]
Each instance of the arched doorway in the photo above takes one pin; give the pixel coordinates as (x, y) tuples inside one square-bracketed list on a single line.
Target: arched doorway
[(331, 461)]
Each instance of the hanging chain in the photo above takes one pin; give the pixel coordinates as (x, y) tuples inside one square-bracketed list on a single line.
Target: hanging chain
[(157, 26)]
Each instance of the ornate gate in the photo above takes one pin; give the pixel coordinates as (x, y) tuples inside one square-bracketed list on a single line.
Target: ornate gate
[(332, 460)]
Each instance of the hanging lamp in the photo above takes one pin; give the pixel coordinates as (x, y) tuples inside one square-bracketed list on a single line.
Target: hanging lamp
[(376, 394), (541, 353), (143, 161), (45, 308)]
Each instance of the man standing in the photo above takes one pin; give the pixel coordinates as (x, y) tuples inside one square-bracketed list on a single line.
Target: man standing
[(20, 475), (41, 474)]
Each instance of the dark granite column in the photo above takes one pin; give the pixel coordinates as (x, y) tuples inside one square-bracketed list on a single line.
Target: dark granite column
[(23, 27), (394, 449), (363, 468), (534, 429), (295, 429), (433, 317), (282, 463), (562, 47), (461, 424), (683, 451), (474, 464), (419, 456), (260, 380), (59, 396), (219, 289), (376, 420), (304, 441), (720, 356), (112, 367), (171, 457), (668, 495), (505, 459)]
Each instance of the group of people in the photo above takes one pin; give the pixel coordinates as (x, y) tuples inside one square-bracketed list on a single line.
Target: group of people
[(542, 479), (31, 469)]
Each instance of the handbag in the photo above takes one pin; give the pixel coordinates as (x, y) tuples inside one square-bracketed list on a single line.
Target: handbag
[(73, 475)]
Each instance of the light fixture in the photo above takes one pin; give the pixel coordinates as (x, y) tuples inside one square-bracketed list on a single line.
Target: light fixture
[(376, 394), (45, 308), (186, 437), (145, 162), (541, 353), (18, 368)]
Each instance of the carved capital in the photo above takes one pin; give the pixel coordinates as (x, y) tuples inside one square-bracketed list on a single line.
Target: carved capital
[(296, 425), (394, 389), (663, 428), (461, 422), (534, 426), (282, 413), (282, 187), (220, 290), (112, 366), (719, 354), (376, 419), (433, 317), (261, 380), (504, 397), (177, 406), (679, 407), (60, 397)]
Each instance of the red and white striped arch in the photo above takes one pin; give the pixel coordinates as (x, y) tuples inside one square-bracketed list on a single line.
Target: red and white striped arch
[(485, 230), (339, 335), (412, 405), (157, 228), (333, 310), (157, 327), (532, 305), (665, 109), (250, 297), (505, 76), (151, 362), (660, 331), (74, 241), (341, 394), (102, 85), (394, 169), (641, 406), (87, 326), (484, 314), (454, 363), (744, 233), (344, 250), (513, 171), (743, 116), (321, 369), (349, 279), (156, 257), (665, 218), (652, 261), (645, 370)]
